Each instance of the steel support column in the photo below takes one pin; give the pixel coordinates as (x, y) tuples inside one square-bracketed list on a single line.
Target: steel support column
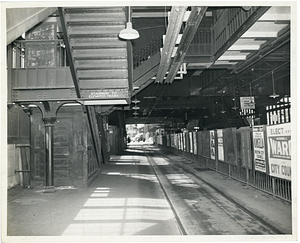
[(49, 125), (49, 111)]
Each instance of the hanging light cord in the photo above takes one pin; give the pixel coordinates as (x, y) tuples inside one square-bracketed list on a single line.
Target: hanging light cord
[(273, 81), (155, 103), (264, 75)]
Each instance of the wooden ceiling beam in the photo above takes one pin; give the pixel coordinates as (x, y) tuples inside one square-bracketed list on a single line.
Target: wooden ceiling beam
[(263, 53), (174, 26), (241, 30), (192, 25)]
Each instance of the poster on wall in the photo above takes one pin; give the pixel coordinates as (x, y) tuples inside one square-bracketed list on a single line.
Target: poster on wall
[(195, 142), (212, 145), (191, 142), (180, 141), (279, 150), (259, 149), (246, 152), (160, 139), (220, 145), (172, 140), (176, 141)]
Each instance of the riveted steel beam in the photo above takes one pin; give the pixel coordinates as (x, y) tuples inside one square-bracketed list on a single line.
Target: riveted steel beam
[(69, 51), (175, 23), (192, 25)]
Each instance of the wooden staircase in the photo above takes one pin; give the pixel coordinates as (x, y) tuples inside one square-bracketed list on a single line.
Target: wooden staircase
[(99, 62), (100, 58)]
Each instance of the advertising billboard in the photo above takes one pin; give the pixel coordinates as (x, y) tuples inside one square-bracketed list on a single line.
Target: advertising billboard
[(220, 145), (212, 145), (279, 150), (259, 149), (195, 142), (191, 142)]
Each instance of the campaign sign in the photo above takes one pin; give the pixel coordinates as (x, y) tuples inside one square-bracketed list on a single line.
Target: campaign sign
[(279, 150), (259, 149), (184, 141), (172, 140), (212, 145), (195, 142), (220, 145), (176, 141), (191, 142), (180, 141)]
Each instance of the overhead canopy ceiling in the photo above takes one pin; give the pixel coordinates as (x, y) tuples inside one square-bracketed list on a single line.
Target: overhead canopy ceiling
[(207, 58), (245, 62)]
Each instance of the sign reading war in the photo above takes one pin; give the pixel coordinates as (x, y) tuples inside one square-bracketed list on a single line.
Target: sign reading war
[(279, 150), (280, 147)]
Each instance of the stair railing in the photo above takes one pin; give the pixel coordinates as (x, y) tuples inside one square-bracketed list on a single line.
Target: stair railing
[(52, 51), (145, 52)]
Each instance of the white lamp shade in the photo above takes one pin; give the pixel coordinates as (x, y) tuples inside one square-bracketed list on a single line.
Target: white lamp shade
[(274, 95), (129, 33)]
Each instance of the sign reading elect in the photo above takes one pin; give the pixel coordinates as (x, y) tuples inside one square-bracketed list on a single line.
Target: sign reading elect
[(279, 150)]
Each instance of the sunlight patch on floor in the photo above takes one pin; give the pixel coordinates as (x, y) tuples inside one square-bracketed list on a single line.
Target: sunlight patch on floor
[(148, 202), (118, 216), (100, 192), (105, 202), (98, 229), (161, 161), (113, 173), (182, 180), (151, 178)]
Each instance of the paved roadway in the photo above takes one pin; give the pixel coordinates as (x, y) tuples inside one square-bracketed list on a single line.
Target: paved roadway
[(141, 192)]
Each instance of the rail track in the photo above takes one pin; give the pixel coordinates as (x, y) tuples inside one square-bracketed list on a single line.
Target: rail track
[(199, 207)]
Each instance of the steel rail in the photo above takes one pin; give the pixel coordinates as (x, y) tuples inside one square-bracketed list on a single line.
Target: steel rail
[(177, 218), (256, 217)]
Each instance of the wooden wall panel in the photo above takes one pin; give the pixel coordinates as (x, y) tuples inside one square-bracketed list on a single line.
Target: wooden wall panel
[(70, 148), (18, 126)]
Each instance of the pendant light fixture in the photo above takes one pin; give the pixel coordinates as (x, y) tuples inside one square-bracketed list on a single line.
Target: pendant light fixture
[(223, 111), (135, 107), (213, 108), (251, 96), (235, 107), (205, 110), (129, 33), (274, 95)]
